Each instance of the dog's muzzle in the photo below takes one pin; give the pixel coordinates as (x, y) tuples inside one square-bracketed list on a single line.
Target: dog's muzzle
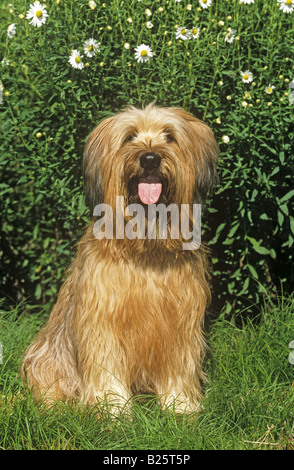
[(150, 185)]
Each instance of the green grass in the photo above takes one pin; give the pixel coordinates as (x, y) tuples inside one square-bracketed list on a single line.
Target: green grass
[(249, 400)]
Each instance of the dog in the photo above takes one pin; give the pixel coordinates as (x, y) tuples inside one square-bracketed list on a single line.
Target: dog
[(129, 318)]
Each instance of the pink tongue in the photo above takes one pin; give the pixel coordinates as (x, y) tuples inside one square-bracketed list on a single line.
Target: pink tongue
[(149, 192)]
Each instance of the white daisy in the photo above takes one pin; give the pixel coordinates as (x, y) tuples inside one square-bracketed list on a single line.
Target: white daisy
[(5, 62), (92, 5), (230, 36), (183, 33), (247, 76), (37, 13), (269, 89), (149, 25), (75, 60), (11, 30), (287, 6), (194, 32), (205, 3), (247, 2), (143, 53), (91, 47), (226, 139)]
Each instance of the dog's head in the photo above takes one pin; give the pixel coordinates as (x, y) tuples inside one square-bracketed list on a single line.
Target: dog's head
[(150, 156)]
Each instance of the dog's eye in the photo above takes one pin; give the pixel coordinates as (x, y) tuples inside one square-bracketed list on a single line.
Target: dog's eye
[(129, 138), (170, 138)]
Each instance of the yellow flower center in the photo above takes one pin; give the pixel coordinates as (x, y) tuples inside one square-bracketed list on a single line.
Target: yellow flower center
[(90, 48), (39, 14), (183, 31), (143, 53), (246, 76), (194, 31), (204, 1), (77, 59), (289, 2)]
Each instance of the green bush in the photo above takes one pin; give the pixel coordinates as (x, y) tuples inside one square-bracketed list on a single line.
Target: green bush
[(48, 108)]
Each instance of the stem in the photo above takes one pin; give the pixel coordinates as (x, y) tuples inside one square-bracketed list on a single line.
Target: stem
[(210, 94)]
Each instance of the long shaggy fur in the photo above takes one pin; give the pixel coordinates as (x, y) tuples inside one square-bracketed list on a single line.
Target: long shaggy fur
[(129, 318)]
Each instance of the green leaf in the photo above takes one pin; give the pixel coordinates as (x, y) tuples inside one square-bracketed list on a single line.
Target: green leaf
[(280, 218), (287, 196), (233, 230), (220, 227), (35, 232), (254, 194), (292, 224), (38, 291), (228, 241), (253, 271), (257, 246), (264, 217), (275, 170), (245, 286)]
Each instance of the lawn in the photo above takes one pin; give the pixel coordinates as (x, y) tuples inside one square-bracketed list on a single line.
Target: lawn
[(248, 404)]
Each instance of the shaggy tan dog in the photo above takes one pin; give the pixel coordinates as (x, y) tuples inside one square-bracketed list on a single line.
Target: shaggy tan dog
[(129, 318)]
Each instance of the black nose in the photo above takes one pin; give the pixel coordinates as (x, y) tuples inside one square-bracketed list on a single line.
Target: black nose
[(150, 161)]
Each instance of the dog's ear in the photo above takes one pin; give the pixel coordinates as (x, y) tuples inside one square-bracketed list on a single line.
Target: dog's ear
[(98, 146), (204, 150)]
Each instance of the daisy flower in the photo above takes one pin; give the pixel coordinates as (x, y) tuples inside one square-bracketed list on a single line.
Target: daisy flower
[(11, 30), (247, 2), (5, 62), (247, 76), (269, 89), (75, 60), (38, 14), (230, 36), (149, 25), (226, 139), (92, 5), (287, 6), (205, 3), (194, 32), (143, 53), (91, 47), (183, 33)]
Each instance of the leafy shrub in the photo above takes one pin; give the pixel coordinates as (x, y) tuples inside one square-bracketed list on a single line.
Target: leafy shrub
[(48, 108)]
